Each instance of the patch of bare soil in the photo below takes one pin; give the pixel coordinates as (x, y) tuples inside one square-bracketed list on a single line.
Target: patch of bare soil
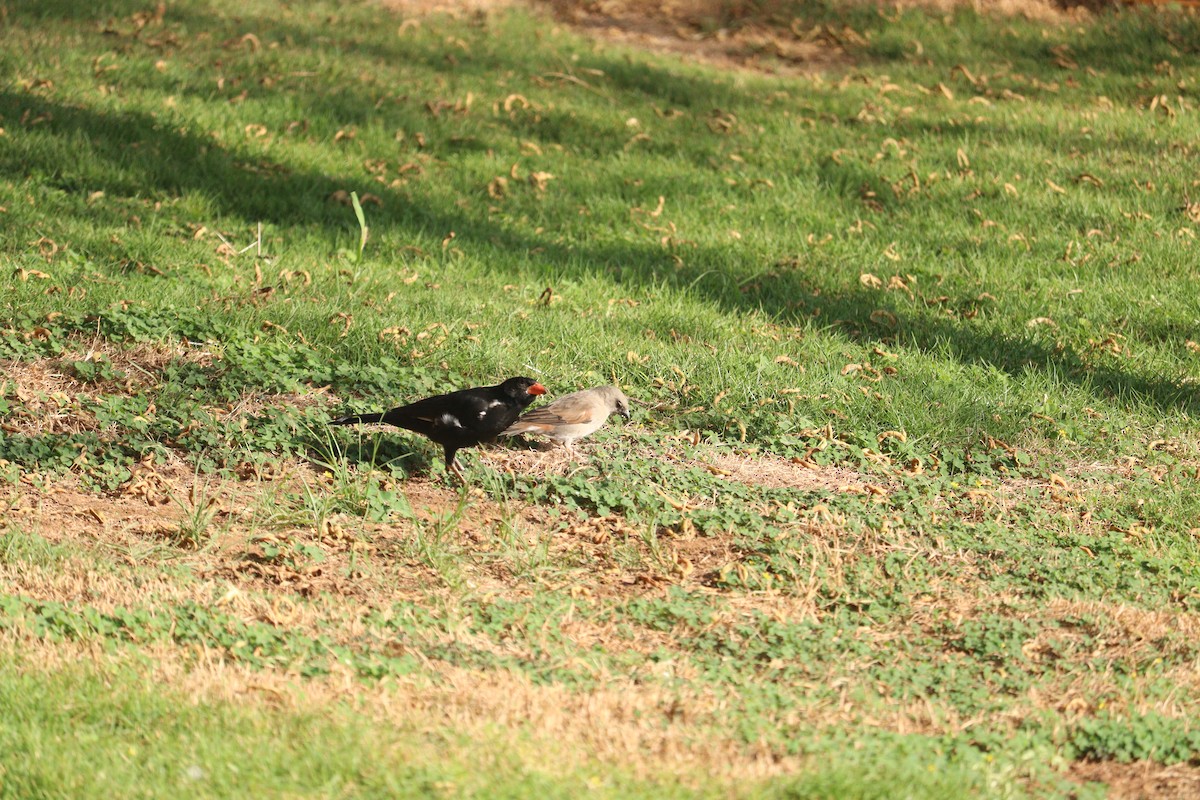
[(452, 8), (758, 36), (700, 31), (1142, 780), (779, 473), (150, 506)]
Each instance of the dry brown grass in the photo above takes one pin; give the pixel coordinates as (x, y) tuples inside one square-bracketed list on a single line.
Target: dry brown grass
[(642, 728)]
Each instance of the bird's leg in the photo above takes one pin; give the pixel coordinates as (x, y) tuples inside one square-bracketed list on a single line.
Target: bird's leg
[(452, 465)]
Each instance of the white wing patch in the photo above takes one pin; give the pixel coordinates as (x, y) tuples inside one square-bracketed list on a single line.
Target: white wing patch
[(490, 406), (450, 421)]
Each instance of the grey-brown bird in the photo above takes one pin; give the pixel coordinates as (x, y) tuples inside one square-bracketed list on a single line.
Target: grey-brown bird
[(572, 416)]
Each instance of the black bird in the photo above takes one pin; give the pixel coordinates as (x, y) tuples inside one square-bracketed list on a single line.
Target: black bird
[(460, 419)]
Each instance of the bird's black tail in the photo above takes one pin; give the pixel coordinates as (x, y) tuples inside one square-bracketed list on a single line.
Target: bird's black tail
[(356, 419)]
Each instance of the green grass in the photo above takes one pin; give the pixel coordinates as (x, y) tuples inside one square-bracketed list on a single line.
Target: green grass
[(84, 733), (958, 267)]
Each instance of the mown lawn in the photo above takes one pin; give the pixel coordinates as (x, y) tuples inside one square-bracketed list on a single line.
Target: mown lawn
[(908, 509)]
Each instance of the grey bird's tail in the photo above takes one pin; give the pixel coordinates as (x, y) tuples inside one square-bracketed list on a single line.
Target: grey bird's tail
[(355, 419)]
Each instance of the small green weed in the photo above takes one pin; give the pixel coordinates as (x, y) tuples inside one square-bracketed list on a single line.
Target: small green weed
[(200, 511), (95, 369), (1149, 737)]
